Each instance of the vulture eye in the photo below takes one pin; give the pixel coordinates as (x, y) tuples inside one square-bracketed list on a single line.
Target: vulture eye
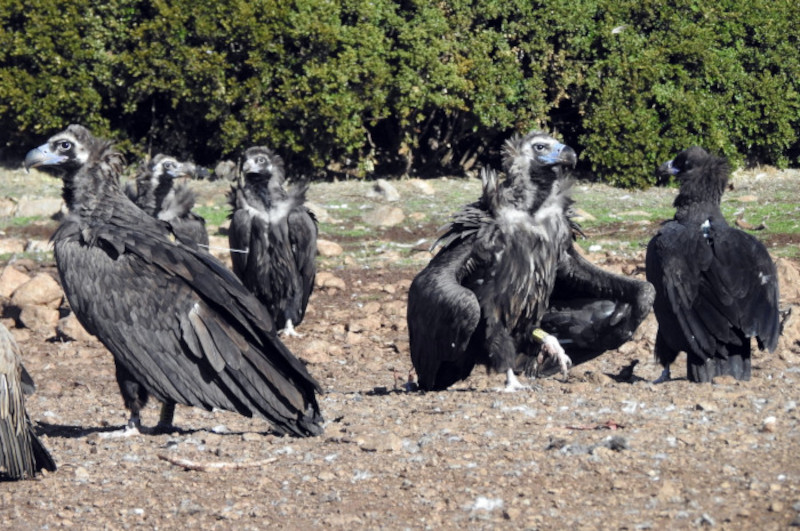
[(261, 160), (169, 165), (64, 145), (540, 147)]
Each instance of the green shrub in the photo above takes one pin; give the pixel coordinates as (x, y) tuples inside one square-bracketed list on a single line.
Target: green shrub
[(362, 86)]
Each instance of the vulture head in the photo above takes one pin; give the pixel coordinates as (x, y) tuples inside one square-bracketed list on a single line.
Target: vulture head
[(534, 164), (701, 175), (66, 151), (261, 164), (162, 170), (537, 155)]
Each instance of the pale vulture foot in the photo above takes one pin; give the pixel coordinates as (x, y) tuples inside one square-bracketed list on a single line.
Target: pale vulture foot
[(553, 349), (289, 330), (513, 384), (131, 429)]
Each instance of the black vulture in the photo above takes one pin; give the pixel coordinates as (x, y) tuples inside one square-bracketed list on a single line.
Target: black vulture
[(592, 310), (22, 454), (481, 298), (155, 191), (180, 325), (716, 286), (273, 238)]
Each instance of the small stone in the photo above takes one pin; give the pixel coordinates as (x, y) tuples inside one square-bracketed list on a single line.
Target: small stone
[(388, 442), (384, 216), (776, 507), (769, 424), (325, 279), (71, 328), (328, 248)]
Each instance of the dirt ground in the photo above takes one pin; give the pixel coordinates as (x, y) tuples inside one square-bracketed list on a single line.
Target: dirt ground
[(588, 453), (595, 452)]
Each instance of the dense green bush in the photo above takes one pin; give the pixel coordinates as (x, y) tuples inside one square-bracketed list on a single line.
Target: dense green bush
[(363, 86)]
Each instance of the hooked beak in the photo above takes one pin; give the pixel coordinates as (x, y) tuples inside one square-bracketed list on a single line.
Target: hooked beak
[(42, 156), (668, 169), (561, 154)]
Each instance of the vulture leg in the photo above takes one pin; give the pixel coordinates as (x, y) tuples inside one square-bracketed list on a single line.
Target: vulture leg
[(135, 397), (289, 330), (512, 383), (665, 355), (166, 417)]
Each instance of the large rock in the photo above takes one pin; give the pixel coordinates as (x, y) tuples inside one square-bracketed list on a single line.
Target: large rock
[(788, 280), (39, 207), (383, 189), (41, 290), (39, 318), (10, 279), (384, 216), (71, 328), (12, 246)]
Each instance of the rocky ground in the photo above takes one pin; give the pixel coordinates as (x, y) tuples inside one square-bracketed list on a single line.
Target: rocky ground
[(594, 452)]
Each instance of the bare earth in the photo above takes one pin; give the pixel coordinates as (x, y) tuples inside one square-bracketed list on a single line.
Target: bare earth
[(589, 453)]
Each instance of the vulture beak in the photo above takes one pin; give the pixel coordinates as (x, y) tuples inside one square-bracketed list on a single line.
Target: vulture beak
[(248, 166), (668, 169), (184, 169), (561, 154), (42, 156), (664, 172)]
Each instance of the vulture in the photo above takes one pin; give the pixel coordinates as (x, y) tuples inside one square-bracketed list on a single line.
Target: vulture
[(514, 247), (22, 454), (154, 191), (592, 310), (482, 297), (716, 286), (181, 326), (273, 238)]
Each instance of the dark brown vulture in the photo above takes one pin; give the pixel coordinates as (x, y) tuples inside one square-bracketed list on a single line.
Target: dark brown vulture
[(716, 286), (507, 265), (591, 310), (273, 238), (155, 191), (180, 325), (22, 454), (481, 298)]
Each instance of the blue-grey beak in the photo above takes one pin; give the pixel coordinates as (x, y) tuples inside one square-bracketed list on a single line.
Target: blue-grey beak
[(668, 169), (561, 154), (42, 156)]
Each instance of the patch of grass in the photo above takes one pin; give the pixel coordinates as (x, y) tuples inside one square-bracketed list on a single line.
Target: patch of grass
[(214, 215)]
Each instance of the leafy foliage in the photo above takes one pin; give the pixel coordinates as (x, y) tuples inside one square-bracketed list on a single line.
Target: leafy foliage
[(362, 86)]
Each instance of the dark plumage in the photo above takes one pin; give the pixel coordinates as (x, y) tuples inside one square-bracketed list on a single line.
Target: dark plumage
[(591, 310), (22, 454), (716, 286), (482, 296), (278, 235), (155, 191), (180, 325)]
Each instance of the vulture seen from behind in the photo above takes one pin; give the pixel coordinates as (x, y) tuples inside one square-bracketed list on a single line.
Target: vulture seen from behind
[(273, 238), (22, 454), (155, 191), (716, 286), (592, 310), (481, 298), (181, 327)]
